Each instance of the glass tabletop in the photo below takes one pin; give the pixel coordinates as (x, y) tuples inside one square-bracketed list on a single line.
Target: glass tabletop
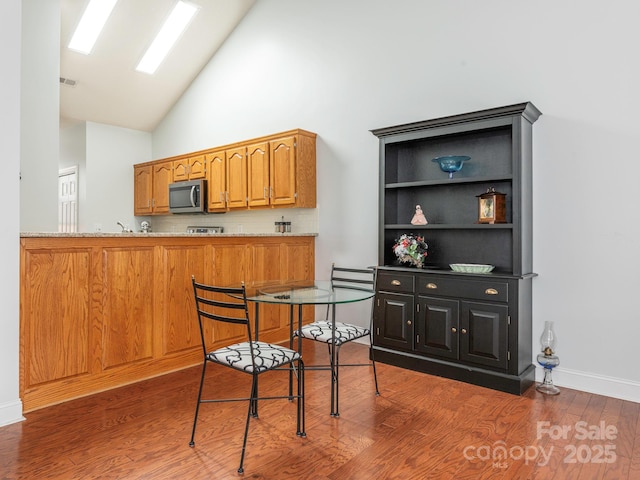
[(303, 292)]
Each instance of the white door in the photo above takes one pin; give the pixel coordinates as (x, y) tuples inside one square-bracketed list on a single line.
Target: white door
[(68, 200)]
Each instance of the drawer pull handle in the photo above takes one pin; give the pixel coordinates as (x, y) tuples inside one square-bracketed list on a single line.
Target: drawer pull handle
[(396, 282), (491, 291), (432, 285)]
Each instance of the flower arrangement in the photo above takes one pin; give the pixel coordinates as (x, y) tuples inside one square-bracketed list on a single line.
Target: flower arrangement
[(410, 248)]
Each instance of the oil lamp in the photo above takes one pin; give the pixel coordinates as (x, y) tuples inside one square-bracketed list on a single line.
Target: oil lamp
[(547, 359)]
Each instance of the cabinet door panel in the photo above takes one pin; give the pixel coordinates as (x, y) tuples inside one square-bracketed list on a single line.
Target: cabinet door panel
[(181, 170), (197, 167), (180, 323), (217, 181), (162, 176), (237, 178), (283, 172), (258, 174), (231, 268), (484, 333), (437, 327), (143, 190), (127, 304), (393, 320), (56, 311), (268, 265)]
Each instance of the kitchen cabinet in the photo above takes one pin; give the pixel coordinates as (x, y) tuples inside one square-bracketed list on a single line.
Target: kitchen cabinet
[(227, 180), (471, 327), (283, 178), (461, 328), (217, 181), (282, 172), (259, 186), (189, 168), (151, 188), (98, 312), (143, 189), (274, 171), (236, 175)]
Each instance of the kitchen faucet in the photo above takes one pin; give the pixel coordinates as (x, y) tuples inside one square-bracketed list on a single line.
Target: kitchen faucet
[(124, 229)]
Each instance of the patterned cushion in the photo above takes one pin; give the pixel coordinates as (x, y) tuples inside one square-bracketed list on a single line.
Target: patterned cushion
[(266, 356), (322, 332)]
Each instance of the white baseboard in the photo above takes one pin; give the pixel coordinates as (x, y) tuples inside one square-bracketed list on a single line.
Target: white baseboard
[(594, 383), (620, 388), (11, 412)]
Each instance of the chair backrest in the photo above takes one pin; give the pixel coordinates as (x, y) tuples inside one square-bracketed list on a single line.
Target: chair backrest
[(353, 278), (220, 304)]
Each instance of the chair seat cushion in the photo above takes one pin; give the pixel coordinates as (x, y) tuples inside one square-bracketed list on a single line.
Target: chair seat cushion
[(266, 356), (322, 331)]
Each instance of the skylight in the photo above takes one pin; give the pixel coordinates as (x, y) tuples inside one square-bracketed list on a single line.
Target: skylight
[(167, 37), (90, 25)]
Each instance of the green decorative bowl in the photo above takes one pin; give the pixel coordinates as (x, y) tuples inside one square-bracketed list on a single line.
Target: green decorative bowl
[(471, 267)]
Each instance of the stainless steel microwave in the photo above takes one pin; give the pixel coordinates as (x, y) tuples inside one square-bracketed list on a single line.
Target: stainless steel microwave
[(188, 197)]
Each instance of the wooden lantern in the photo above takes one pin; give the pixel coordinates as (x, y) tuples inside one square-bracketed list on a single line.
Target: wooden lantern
[(492, 207)]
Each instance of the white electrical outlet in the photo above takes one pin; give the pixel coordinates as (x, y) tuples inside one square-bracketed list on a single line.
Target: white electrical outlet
[(97, 227)]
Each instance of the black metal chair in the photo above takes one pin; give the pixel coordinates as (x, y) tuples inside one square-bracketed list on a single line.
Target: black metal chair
[(335, 334), (229, 305)]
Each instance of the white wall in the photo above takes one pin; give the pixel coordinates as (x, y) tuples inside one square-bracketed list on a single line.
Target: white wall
[(40, 97), (109, 176), (10, 404), (105, 155), (342, 68), (73, 152)]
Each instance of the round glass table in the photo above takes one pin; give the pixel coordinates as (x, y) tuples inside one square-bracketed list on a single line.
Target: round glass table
[(300, 293)]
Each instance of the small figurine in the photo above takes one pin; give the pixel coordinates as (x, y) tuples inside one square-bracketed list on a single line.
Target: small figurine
[(418, 217)]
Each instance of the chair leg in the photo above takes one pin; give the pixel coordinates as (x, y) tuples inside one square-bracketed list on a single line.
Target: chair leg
[(332, 362), (250, 413), (300, 410), (195, 418), (373, 363), (337, 368)]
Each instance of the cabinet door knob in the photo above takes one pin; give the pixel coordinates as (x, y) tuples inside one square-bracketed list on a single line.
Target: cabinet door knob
[(464, 330), (408, 322), (454, 329), (432, 285), (491, 291), (395, 282)]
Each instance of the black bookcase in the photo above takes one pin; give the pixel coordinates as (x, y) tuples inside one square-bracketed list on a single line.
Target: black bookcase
[(472, 327)]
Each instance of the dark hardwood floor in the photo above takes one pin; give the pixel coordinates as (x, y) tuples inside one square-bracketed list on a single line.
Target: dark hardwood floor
[(420, 427)]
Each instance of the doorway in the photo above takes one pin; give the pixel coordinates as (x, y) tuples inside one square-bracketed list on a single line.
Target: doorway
[(68, 200)]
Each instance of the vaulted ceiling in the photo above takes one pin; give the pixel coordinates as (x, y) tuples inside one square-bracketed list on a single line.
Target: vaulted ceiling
[(107, 87)]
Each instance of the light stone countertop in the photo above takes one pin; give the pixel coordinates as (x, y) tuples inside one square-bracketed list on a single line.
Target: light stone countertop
[(157, 234)]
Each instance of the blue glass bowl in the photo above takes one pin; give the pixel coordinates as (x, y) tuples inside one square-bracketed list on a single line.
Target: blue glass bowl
[(451, 163)]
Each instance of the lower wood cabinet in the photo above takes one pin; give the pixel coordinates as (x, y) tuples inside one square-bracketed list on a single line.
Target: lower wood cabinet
[(101, 312), (467, 327)]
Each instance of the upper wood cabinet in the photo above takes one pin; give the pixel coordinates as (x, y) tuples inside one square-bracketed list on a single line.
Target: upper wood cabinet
[(282, 172), (162, 175), (142, 189), (217, 181), (258, 174), (189, 168), (151, 188), (236, 176), (274, 171)]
